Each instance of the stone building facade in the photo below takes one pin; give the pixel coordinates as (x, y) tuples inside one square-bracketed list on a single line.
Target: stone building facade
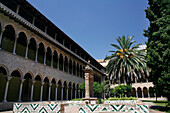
[(38, 61)]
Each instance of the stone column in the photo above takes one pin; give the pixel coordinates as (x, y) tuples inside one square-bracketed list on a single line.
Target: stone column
[(49, 92), (142, 92), (67, 93), (52, 59), (45, 50), (32, 89), (15, 43), (62, 92), (87, 86), (2, 31), (41, 94), (56, 93), (20, 91), (6, 88), (71, 92), (36, 57), (26, 53), (75, 93)]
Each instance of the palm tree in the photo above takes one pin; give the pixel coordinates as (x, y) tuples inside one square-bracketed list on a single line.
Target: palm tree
[(128, 62)]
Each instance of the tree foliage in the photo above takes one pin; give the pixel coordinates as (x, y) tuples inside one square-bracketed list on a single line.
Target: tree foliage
[(158, 45), (122, 90), (98, 88), (127, 61)]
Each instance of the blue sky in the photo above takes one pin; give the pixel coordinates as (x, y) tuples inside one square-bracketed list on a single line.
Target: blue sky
[(95, 24)]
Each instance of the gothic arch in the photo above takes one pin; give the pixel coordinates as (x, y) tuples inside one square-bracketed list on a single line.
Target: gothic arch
[(8, 38), (14, 86)]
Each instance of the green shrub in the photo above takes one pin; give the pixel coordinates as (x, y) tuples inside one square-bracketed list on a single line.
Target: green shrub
[(123, 98)]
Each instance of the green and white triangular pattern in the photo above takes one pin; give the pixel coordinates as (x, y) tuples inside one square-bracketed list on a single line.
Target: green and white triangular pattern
[(42, 110), (34, 106), (117, 107), (52, 106), (25, 110), (143, 108), (92, 108), (81, 110), (17, 106)]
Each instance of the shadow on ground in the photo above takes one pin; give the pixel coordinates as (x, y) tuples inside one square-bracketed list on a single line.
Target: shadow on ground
[(160, 108)]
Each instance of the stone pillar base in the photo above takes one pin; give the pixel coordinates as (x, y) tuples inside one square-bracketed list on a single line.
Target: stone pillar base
[(90, 100)]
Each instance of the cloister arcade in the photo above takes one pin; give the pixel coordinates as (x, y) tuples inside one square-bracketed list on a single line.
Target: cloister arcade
[(15, 86), (28, 87), (30, 48), (143, 92)]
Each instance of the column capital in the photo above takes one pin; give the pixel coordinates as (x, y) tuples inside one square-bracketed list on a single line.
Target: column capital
[(42, 83), (45, 50), (8, 78), (33, 81), (50, 84), (22, 80), (28, 41), (56, 85), (52, 53), (16, 36), (3, 29), (37, 46)]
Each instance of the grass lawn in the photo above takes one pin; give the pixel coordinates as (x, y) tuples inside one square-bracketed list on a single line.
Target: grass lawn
[(160, 105)]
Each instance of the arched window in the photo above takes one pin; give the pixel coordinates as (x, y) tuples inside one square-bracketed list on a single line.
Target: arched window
[(74, 68), (70, 66), (139, 92), (14, 86), (41, 53), (61, 62), (21, 44), (59, 90), (48, 56), (26, 89), (55, 59), (53, 89), (32, 49), (45, 89), (65, 90), (78, 70), (8, 39), (145, 92), (37, 88), (66, 64)]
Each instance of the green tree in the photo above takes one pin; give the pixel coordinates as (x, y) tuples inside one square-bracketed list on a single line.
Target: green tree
[(122, 90), (98, 88), (127, 62), (158, 45)]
